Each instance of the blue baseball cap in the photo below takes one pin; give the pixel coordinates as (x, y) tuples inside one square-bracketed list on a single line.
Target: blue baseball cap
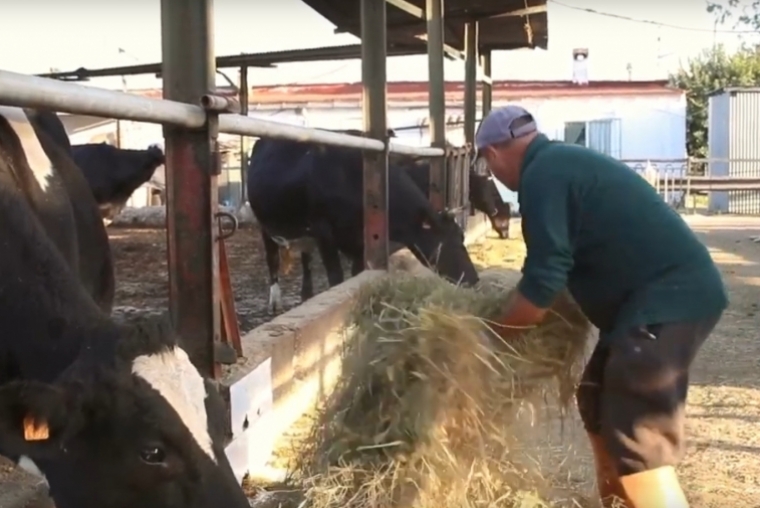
[(496, 127)]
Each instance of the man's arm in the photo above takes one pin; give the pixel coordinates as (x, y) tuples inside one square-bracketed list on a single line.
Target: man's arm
[(550, 255)]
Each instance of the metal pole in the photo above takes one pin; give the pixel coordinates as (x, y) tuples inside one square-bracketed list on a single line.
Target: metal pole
[(243, 152), (374, 111), (470, 79), (487, 83), (189, 73), (247, 126), (41, 93), (437, 99)]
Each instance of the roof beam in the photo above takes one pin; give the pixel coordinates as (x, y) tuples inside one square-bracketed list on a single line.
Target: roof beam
[(263, 60), (407, 7), (418, 13), (527, 11)]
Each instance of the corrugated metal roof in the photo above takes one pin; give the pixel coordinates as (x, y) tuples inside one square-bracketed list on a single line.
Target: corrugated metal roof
[(502, 23)]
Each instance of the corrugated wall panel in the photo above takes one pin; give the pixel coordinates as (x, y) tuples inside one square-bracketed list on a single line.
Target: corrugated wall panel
[(744, 143), (718, 134)]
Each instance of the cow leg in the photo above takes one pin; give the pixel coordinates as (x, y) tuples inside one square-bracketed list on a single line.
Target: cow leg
[(307, 284), (328, 251), (272, 251)]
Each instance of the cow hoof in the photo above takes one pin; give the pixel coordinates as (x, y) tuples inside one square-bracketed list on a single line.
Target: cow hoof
[(275, 299)]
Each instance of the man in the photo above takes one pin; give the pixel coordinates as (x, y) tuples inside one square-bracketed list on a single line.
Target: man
[(639, 273)]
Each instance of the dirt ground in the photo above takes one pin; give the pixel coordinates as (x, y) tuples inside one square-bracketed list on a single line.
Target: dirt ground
[(722, 463), (722, 466), (140, 267)]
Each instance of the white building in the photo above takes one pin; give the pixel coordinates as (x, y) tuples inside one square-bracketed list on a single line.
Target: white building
[(637, 121)]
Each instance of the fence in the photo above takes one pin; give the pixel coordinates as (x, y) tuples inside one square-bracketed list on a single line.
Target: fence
[(192, 116), (705, 185)]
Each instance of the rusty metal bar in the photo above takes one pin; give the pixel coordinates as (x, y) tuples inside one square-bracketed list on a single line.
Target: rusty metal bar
[(243, 152), (437, 99), (470, 79), (375, 111), (34, 92), (191, 167), (220, 104), (487, 85)]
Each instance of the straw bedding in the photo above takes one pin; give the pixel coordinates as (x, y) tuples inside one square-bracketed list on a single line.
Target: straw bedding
[(421, 416)]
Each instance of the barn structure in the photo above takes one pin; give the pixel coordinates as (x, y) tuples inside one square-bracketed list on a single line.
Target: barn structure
[(282, 363)]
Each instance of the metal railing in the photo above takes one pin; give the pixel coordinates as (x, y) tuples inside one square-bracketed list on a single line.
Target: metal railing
[(34, 92), (706, 184)]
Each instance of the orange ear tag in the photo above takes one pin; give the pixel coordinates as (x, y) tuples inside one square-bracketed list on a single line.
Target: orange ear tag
[(35, 432)]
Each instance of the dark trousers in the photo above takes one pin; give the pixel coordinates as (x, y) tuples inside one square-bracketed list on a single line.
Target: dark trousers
[(633, 393)]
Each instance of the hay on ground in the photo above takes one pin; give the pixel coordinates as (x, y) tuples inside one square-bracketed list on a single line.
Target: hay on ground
[(421, 415)]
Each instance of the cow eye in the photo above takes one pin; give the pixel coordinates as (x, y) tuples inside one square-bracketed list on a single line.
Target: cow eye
[(153, 455)]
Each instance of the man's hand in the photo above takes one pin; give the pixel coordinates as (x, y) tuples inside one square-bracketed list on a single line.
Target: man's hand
[(519, 314)]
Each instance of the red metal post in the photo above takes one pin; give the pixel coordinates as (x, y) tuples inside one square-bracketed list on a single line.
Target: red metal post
[(374, 102), (191, 168)]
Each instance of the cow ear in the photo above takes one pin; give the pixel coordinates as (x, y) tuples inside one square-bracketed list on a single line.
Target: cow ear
[(33, 417)]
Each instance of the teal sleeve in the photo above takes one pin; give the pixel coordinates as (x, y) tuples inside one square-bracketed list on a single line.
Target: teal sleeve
[(544, 208)]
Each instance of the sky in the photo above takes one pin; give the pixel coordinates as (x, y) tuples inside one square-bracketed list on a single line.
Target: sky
[(104, 33)]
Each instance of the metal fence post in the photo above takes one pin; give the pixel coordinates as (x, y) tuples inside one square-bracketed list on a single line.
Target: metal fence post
[(487, 83), (470, 79), (374, 109), (437, 98), (191, 168)]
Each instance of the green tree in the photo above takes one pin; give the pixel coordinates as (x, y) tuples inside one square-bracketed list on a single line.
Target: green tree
[(712, 70), (743, 13)]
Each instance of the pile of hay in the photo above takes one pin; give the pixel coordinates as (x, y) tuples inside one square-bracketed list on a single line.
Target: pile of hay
[(421, 414)]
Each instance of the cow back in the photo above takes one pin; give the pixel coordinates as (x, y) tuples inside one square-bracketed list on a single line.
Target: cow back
[(94, 262), (277, 182)]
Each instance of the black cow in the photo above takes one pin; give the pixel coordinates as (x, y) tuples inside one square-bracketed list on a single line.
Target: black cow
[(483, 194), (115, 173), (299, 190), (485, 197), (113, 416)]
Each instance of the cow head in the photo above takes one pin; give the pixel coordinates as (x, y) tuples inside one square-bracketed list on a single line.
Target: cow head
[(485, 197), (143, 429), (439, 243)]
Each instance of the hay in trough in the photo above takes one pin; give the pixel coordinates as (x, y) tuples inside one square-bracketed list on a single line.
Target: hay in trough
[(421, 414)]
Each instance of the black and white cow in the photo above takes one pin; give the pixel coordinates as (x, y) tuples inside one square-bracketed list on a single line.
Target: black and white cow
[(113, 416), (298, 190), (115, 173), (63, 200)]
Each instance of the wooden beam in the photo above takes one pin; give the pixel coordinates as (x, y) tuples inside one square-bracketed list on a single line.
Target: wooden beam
[(407, 7), (527, 11)]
